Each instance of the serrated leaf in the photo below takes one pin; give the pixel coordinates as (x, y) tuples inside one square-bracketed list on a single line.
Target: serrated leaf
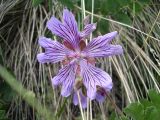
[(151, 113), (114, 116), (135, 111), (146, 103), (155, 98)]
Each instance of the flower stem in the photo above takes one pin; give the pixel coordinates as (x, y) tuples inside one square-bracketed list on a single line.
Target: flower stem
[(80, 105), (87, 108), (92, 17), (90, 109)]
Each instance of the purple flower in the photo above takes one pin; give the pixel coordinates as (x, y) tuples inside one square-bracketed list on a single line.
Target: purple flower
[(83, 98), (77, 57)]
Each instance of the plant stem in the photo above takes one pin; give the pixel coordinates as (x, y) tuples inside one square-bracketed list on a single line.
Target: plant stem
[(80, 105)]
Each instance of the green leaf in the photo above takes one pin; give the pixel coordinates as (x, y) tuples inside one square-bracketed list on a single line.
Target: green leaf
[(151, 113), (123, 118), (144, 1), (103, 9), (97, 5), (155, 98), (124, 2), (112, 6), (103, 26), (7, 94), (136, 8), (50, 4), (61, 109), (146, 103), (68, 3), (112, 116), (135, 111), (36, 2), (2, 114), (124, 18)]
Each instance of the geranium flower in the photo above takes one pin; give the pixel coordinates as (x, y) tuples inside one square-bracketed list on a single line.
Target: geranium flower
[(77, 57)]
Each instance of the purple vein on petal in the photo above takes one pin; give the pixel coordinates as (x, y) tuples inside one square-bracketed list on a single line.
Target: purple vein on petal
[(66, 77), (93, 77), (101, 47), (54, 51), (88, 29), (67, 30), (70, 22)]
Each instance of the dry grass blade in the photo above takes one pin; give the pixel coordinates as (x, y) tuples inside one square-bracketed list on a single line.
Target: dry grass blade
[(133, 73)]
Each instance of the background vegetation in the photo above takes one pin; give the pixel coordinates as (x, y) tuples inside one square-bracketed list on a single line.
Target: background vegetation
[(25, 87)]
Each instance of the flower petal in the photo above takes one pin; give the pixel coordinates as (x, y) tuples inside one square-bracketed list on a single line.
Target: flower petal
[(68, 30), (100, 47), (43, 58), (66, 77), (88, 29), (93, 77), (71, 24), (75, 99), (100, 97), (82, 98), (54, 51)]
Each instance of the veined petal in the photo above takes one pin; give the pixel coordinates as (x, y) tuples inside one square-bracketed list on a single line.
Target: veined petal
[(93, 77), (44, 58), (62, 31), (83, 99), (66, 77), (107, 50), (100, 46), (71, 24), (54, 51), (88, 29)]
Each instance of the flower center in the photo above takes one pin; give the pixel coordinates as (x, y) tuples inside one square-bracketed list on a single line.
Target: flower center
[(78, 55)]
